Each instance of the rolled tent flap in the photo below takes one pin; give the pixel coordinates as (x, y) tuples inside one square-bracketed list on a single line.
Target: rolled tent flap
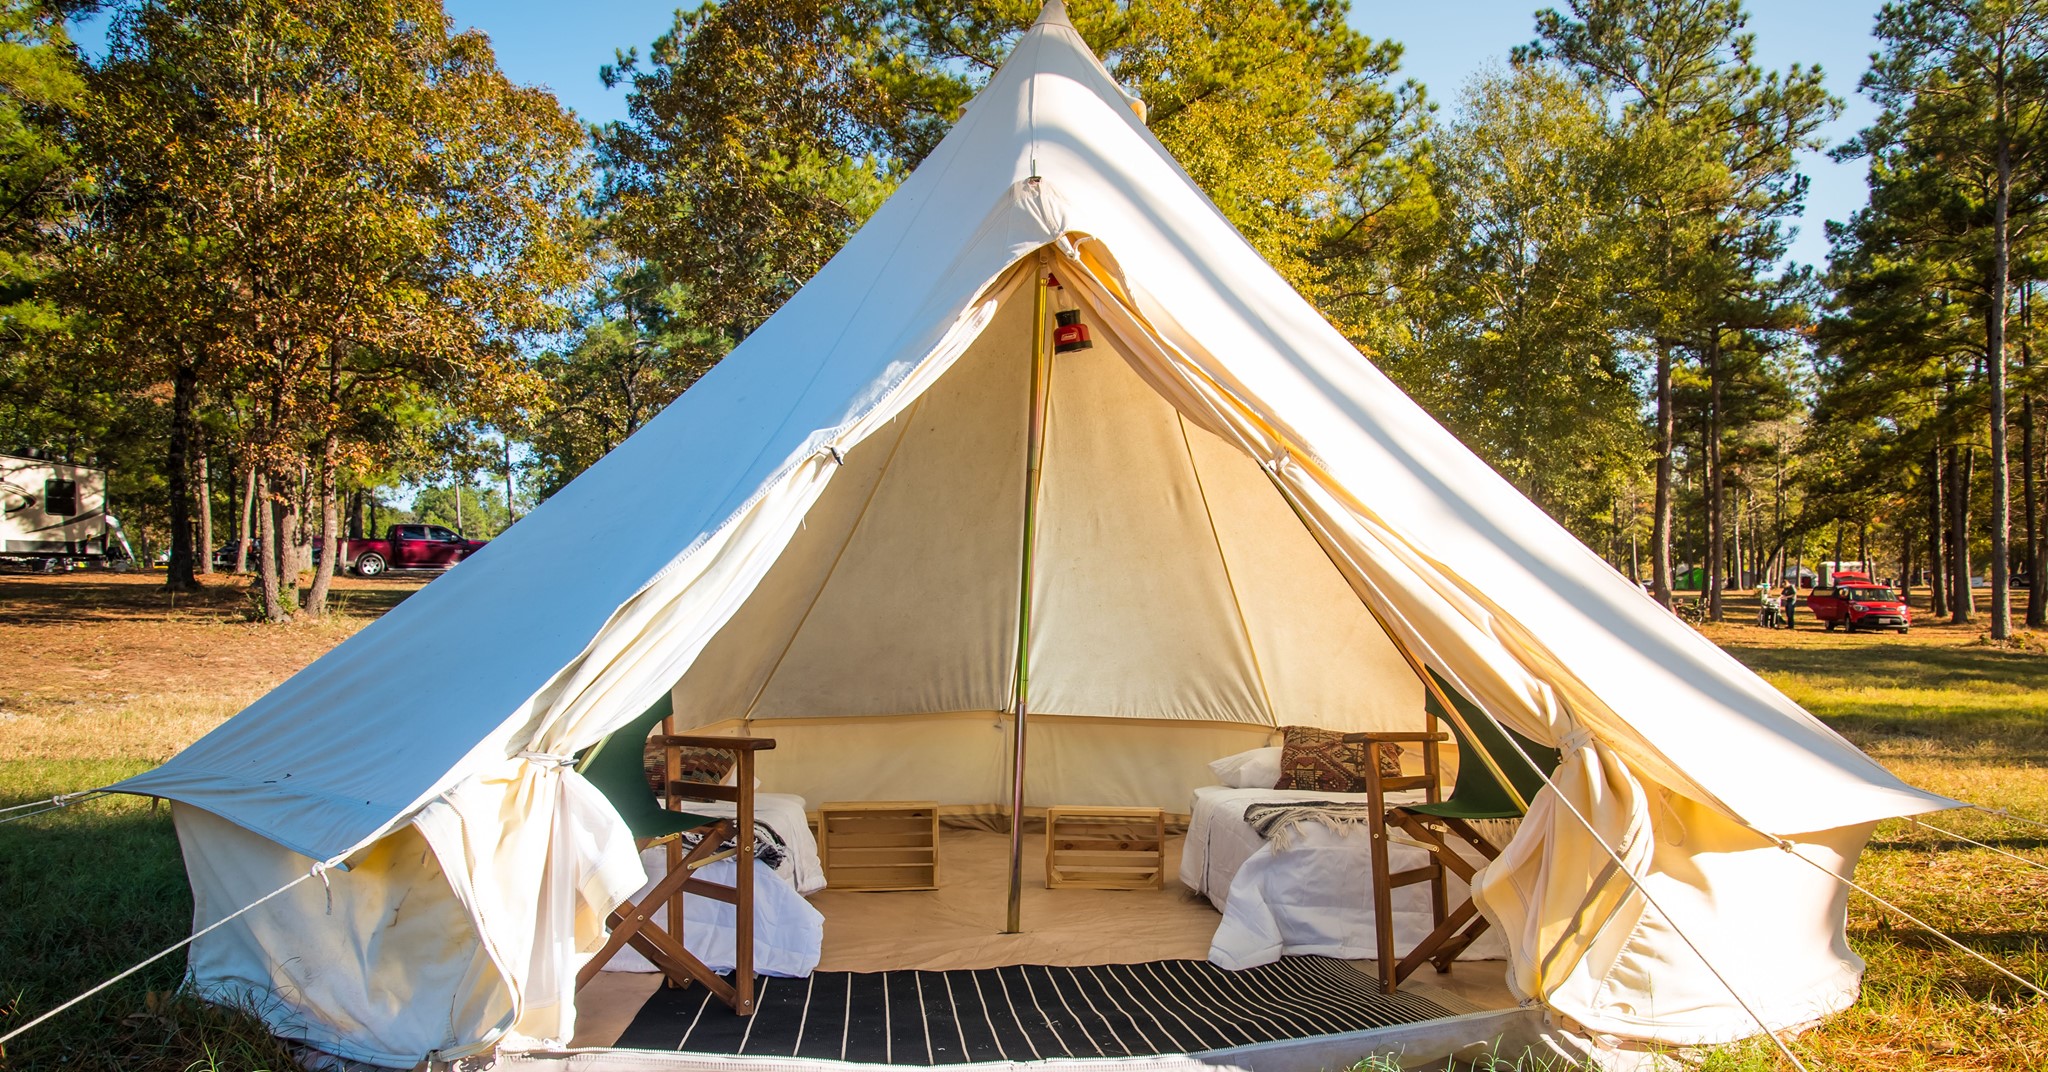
[(430, 748)]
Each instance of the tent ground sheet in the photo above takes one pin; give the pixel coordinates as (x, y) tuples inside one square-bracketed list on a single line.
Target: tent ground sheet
[(958, 926)]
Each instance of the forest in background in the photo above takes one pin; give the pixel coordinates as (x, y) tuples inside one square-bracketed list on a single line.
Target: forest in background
[(271, 261)]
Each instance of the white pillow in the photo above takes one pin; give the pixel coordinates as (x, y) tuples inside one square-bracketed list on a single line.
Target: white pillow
[(1256, 769)]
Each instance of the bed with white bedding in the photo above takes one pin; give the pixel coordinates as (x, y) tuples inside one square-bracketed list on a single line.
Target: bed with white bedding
[(789, 933), (1309, 892)]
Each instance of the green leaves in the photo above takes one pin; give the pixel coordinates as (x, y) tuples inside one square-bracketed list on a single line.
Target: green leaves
[(1525, 355), (762, 133)]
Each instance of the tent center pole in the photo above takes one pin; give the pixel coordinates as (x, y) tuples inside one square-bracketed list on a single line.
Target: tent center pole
[(1034, 458)]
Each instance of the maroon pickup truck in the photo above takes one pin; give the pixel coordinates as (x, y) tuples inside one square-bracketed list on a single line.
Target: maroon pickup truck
[(1856, 601), (408, 547)]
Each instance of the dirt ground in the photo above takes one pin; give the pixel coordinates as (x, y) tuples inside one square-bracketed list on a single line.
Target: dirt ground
[(112, 664)]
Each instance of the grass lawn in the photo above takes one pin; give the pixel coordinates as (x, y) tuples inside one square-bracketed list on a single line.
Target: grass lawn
[(104, 675)]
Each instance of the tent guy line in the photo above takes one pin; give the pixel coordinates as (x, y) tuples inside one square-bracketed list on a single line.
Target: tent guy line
[(1788, 847), (1636, 880), (2006, 813), (318, 870), (1916, 920), (1917, 821), (45, 807)]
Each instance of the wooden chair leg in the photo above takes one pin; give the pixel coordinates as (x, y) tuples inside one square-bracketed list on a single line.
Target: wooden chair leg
[(628, 920), (1458, 928), (674, 851), (1382, 889), (743, 889)]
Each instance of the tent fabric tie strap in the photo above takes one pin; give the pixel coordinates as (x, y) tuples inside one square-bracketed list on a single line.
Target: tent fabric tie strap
[(552, 760), (319, 871)]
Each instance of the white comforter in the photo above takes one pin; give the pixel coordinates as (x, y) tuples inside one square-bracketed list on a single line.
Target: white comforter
[(1308, 894), (789, 933)]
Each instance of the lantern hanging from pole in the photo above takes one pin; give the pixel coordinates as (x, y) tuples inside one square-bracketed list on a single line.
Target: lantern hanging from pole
[(1068, 333)]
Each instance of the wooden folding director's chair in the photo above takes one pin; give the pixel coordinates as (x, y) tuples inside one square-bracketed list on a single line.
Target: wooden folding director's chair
[(1439, 825), (617, 767)]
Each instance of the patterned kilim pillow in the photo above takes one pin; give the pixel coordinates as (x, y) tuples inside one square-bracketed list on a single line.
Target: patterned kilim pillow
[(708, 765), (1328, 761)]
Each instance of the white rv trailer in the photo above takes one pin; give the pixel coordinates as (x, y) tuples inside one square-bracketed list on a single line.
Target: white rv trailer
[(52, 509)]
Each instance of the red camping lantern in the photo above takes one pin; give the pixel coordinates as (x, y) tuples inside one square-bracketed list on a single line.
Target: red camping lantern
[(1068, 333)]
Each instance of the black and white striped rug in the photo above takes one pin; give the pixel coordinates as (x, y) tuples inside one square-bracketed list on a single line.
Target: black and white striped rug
[(1028, 1013)]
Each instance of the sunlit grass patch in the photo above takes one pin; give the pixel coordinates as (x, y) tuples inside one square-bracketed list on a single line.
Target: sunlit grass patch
[(102, 677), (92, 696)]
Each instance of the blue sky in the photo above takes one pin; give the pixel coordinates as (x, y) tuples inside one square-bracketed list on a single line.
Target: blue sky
[(561, 46), (1446, 42)]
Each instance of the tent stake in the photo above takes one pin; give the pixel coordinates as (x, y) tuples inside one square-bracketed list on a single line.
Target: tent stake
[(1033, 455)]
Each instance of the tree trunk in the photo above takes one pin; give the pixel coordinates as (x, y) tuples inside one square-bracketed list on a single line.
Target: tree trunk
[(2027, 498), (267, 579), (205, 563), (1660, 521), (2037, 541), (1778, 520), (355, 514), (510, 517), (1905, 563), (1739, 569), (178, 473), (1717, 536), (286, 522), (1937, 561), (1962, 603), (1994, 352), (1635, 558), (330, 525), (248, 511), (302, 536)]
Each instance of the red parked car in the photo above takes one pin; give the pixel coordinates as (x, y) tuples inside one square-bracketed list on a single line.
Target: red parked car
[(408, 547), (1859, 603)]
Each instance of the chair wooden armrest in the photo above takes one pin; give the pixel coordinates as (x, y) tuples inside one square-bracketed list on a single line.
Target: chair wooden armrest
[(742, 748), (1391, 737), (741, 745)]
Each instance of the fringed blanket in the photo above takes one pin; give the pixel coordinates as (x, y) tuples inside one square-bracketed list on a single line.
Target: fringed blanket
[(1276, 821), (769, 848)]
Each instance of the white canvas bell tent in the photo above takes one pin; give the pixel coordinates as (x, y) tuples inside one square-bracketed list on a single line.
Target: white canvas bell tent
[(1239, 523)]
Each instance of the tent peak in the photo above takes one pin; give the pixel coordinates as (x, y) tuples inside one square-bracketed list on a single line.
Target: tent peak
[(1054, 13)]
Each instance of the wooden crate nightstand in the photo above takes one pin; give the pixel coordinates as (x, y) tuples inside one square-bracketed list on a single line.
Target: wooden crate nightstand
[(880, 845), (1105, 848)]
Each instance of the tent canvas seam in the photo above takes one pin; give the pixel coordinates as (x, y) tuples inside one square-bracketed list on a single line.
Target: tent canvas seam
[(1229, 579), (852, 532)]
